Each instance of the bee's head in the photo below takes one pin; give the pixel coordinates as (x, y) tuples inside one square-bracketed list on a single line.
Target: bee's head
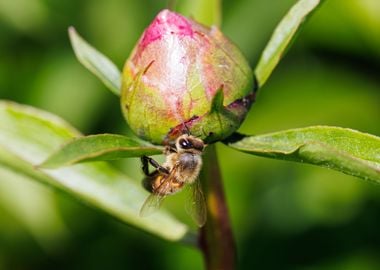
[(189, 143)]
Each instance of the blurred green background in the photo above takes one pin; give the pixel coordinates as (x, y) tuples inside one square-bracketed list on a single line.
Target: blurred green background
[(284, 215)]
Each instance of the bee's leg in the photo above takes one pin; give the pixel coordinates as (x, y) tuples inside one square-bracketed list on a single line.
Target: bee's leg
[(169, 149), (155, 164), (147, 183), (145, 165)]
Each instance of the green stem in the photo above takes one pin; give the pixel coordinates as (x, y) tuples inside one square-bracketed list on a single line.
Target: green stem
[(171, 4), (216, 239)]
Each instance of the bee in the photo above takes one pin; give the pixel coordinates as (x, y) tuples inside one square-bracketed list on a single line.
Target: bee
[(180, 169)]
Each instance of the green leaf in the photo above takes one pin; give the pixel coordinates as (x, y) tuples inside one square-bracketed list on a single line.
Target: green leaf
[(217, 101), (282, 37), (99, 147), (96, 62), (28, 136), (341, 149), (206, 12)]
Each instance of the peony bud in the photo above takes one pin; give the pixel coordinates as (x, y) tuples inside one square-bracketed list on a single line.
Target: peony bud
[(185, 77)]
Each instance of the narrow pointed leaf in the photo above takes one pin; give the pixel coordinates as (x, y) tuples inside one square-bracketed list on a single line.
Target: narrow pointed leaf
[(96, 62), (217, 102), (97, 148), (341, 149), (28, 136), (282, 38)]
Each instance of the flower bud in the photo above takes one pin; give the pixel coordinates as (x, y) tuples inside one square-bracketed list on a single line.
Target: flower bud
[(183, 77)]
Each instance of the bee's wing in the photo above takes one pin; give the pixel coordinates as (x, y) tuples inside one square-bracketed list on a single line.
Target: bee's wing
[(196, 204), (154, 200), (151, 204)]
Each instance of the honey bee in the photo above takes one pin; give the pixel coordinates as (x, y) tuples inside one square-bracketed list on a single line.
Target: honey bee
[(180, 169)]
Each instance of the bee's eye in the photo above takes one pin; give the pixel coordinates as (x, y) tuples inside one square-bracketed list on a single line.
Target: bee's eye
[(185, 144)]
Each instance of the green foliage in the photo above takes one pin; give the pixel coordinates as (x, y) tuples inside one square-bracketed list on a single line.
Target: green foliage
[(206, 12), (304, 146), (341, 149), (96, 62), (327, 80), (28, 135), (282, 37), (322, 146), (99, 147)]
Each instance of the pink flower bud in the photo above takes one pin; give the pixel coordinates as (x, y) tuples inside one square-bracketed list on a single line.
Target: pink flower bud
[(185, 77)]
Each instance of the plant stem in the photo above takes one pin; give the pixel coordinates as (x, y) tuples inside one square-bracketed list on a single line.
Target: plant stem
[(216, 238), (171, 4)]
